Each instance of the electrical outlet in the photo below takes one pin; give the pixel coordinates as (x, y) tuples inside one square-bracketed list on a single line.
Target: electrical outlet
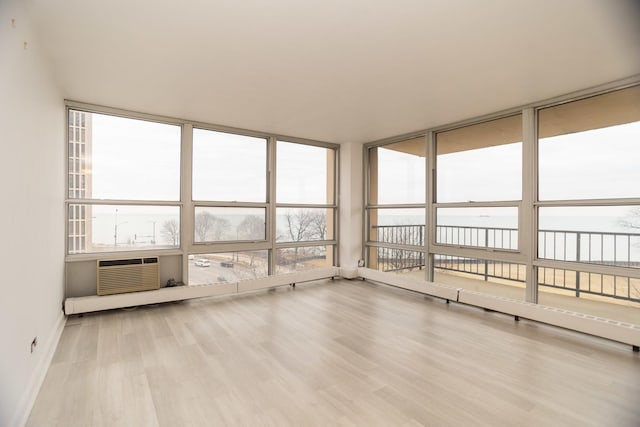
[(34, 343)]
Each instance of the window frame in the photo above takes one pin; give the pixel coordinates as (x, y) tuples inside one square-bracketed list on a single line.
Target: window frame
[(333, 243), (582, 267), (186, 204), (469, 250), (528, 207), (369, 245), (78, 107)]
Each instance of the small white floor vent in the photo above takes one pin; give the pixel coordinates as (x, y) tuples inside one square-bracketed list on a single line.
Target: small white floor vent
[(128, 275)]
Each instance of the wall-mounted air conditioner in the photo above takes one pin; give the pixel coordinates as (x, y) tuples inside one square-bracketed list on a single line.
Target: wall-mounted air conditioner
[(128, 275)]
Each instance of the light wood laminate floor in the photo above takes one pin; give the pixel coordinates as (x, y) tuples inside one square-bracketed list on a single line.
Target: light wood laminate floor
[(345, 353)]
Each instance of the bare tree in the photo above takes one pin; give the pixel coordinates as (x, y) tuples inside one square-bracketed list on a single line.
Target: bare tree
[(203, 223), (400, 234), (220, 227), (171, 230), (301, 225), (632, 220), (319, 225), (209, 227), (251, 228)]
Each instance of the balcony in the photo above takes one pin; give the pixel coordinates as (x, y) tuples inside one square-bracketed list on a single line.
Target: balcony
[(614, 297)]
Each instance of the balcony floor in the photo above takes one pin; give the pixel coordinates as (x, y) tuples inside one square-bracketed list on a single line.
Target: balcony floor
[(623, 311)]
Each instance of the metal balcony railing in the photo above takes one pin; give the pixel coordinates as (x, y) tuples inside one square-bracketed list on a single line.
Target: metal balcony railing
[(607, 248)]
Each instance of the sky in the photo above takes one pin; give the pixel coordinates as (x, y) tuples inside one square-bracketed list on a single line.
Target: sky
[(134, 159), (581, 165), (140, 160)]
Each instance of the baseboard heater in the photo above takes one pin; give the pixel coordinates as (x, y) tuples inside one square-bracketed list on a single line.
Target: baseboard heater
[(77, 305), (614, 330), (118, 276)]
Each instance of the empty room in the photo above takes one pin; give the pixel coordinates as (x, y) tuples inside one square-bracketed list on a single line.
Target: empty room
[(301, 213)]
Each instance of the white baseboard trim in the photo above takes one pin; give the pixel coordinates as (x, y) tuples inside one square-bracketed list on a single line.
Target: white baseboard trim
[(287, 279), (107, 302), (422, 286), (613, 330), (23, 409), (604, 328)]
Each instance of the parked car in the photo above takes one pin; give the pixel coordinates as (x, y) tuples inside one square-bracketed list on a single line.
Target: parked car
[(226, 264), (203, 262)]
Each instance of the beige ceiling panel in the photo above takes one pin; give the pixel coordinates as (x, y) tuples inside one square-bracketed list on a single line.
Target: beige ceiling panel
[(415, 146), (495, 132), (615, 108)]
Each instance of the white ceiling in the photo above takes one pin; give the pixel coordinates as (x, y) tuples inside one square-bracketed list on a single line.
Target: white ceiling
[(334, 70)]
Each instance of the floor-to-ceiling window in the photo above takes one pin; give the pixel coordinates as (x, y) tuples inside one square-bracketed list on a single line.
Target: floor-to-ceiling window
[(233, 205), (589, 203), (229, 193), (124, 184), (395, 212), (541, 203), (476, 210), (305, 210)]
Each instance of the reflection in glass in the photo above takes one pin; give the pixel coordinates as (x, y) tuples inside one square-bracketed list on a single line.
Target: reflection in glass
[(481, 162), (290, 260), (214, 224), (108, 228), (397, 172), (589, 149), (305, 174), (229, 167), (478, 227), (304, 224), (217, 268)]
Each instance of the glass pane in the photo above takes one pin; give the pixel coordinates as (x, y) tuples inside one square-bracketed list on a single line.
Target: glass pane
[(107, 228), (482, 162), (589, 149), (397, 226), (224, 224), (478, 227), (397, 172), (397, 261), (125, 159), (229, 167), (498, 278), (303, 225), (290, 260), (592, 234), (207, 269), (305, 174), (603, 295)]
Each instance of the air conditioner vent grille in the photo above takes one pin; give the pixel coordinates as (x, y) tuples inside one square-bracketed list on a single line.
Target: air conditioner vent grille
[(128, 275)]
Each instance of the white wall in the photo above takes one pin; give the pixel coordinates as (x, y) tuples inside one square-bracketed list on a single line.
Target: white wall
[(32, 214), (351, 185)]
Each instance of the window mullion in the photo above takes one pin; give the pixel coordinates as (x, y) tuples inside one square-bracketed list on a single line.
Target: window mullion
[(187, 211)]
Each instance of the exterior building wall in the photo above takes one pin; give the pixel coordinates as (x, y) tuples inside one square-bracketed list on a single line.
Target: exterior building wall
[(79, 146)]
